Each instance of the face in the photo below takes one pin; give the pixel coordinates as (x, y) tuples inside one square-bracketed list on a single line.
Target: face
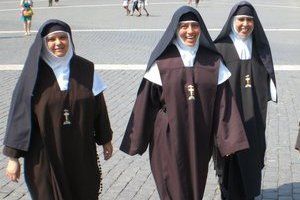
[(189, 31), (58, 43), (244, 26)]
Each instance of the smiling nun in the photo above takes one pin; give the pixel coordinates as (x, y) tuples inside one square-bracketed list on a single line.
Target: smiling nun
[(183, 108), (57, 116), (246, 52)]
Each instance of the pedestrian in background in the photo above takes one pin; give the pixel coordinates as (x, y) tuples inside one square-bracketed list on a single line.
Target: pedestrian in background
[(126, 6), (57, 115), (142, 5), (246, 52), (26, 15), (196, 2), (135, 7), (184, 107)]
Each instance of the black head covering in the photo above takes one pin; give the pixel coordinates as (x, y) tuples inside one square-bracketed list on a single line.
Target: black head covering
[(185, 13), (244, 10), (19, 121), (188, 16), (259, 37)]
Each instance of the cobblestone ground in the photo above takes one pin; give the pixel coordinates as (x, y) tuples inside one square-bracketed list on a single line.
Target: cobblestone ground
[(128, 177), (103, 34)]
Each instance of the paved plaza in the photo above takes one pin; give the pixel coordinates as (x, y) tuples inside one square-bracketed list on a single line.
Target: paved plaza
[(120, 46)]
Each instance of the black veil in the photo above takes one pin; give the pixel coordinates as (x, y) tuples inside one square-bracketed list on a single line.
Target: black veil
[(18, 130)]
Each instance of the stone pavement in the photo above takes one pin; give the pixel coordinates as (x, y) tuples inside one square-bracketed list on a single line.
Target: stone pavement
[(128, 177)]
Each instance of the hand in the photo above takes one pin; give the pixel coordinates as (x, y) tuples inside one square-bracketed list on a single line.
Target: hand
[(107, 150), (13, 169)]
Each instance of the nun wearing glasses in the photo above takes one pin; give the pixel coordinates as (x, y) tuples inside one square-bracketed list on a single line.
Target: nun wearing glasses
[(183, 108), (57, 116), (246, 52)]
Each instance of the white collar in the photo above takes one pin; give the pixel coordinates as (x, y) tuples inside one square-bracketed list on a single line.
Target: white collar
[(187, 53), (61, 67), (242, 45)]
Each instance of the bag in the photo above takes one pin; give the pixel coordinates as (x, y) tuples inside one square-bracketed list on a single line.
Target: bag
[(27, 12)]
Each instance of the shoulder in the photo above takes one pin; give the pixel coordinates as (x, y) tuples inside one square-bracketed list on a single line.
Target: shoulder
[(82, 65), (170, 51), (223, 43), (78, 60)]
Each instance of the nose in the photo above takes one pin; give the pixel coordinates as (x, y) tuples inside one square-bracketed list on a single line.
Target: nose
[(190, 29), (57, 41), (245, 22)]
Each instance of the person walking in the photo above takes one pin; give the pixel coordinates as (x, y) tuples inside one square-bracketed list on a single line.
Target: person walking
[(135, 7), (26, 15), (184, 107), (246, 52), (196, 2), (142, 5), (126, 6), (57, 116)]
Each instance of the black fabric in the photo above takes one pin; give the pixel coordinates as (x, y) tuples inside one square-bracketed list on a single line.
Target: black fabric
[(244, 10), (189, 16), (252, 103), (297, 146), (205, 40), (19, 125), (259, 37), (55, 27)]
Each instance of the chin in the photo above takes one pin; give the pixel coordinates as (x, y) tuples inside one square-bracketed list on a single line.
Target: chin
[(190, 44)]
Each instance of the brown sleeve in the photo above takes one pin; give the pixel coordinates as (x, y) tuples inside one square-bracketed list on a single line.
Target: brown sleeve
[(140, 127), (229, 129), (298, 139), (103, 132), (13, 153)]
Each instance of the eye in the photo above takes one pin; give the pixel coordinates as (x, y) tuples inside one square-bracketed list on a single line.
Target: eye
[(183, 26), (195, 25), (50, 39), (63, 37)]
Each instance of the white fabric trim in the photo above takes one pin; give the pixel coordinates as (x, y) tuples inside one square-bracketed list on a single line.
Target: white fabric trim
[(98, 84), (224, 73), (187, 53), (59, 65), (273, 91), (241, 16), (242, 46), (153, 75)]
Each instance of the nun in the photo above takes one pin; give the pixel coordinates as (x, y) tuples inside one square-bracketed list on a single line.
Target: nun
[(57, 116), (246, 52), (183, 108)]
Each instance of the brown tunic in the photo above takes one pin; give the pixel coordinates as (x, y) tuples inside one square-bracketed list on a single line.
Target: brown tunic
[(62, 160), (181, 131), (244, 180)]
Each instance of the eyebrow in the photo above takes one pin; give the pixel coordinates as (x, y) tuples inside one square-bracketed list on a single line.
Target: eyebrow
[(55, 35)]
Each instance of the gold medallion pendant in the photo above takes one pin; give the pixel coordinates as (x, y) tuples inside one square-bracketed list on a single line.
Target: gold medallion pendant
[(248, 81), (66, 114), (191, 92)]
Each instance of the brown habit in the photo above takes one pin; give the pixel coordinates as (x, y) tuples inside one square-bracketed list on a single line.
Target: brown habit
[(61, 162), (181, 131)]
